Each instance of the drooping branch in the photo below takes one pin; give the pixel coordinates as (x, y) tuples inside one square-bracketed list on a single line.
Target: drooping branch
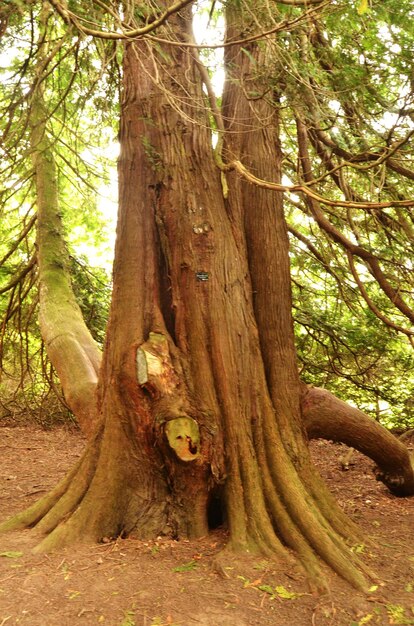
[(372, 305), (354, 249), (239, 167), (284, 25), (20, 276), (27, 228), (393, 164), (127, 33)]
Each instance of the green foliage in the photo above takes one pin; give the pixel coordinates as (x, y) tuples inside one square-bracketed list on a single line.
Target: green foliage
[(92, 288), (159, 621), (350, 83), (11, 554), (277, 592), (152, 155), (343, 346), (362, 7), (364, 620), (397, 614), (346, 73), (81, 97), (129, 618)]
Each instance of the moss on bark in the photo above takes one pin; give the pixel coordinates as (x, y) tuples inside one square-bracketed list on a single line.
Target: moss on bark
[(69, 344)]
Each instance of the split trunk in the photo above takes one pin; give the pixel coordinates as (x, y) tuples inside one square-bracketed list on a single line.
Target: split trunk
[(199, 392)]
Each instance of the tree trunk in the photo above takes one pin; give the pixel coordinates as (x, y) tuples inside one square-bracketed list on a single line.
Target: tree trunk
[(69, 344), (198, 384), (251, 122)]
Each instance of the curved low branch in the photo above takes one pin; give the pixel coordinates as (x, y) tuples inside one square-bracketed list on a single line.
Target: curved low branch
[(327, 417), (71, 18)]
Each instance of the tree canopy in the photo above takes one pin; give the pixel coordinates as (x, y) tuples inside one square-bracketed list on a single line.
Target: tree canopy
[(341, 76)]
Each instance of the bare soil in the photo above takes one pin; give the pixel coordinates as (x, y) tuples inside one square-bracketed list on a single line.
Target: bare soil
[(168, 583)]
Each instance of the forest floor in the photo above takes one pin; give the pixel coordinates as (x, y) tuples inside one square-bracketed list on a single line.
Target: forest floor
[(168, 583)]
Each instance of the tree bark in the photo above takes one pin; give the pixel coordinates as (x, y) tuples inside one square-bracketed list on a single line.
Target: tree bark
[(199, 384), (69, 344), (251, 123)]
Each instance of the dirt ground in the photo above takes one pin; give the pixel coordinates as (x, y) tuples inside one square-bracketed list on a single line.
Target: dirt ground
[(169, 583)]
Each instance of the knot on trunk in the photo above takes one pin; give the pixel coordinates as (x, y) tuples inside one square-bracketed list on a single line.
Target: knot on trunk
[(183, 436), (170, 405)]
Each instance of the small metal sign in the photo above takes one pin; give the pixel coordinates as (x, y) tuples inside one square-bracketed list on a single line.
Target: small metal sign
[(202, 276)]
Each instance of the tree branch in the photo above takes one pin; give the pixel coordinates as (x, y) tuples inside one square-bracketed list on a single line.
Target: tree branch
[(71, 18)]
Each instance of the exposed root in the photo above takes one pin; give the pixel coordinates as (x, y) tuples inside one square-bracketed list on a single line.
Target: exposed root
[(277, 501), (33, 514), (51, 514)]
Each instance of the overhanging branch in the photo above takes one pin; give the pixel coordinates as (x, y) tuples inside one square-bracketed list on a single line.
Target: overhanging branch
[(305, 189), (18, 279), (71, 18)]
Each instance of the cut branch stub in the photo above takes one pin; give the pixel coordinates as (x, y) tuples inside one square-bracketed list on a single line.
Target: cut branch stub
[(155, 371), (183, 436)]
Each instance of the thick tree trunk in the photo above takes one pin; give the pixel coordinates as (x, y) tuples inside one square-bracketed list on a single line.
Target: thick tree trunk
[(198, 384), (251, 122), (69, 344), (144, 469), (327, 417)]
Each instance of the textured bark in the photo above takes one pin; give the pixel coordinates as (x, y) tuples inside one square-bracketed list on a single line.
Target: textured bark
[(327, 417), (132, 475), (198, 384), (296, 501), (69, 344)]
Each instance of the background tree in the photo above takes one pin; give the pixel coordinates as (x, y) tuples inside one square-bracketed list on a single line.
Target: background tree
[(199, 383), (354, 123), (49, 172)]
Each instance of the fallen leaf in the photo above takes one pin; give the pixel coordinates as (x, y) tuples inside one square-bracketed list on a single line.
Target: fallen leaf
[(11, 555)]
